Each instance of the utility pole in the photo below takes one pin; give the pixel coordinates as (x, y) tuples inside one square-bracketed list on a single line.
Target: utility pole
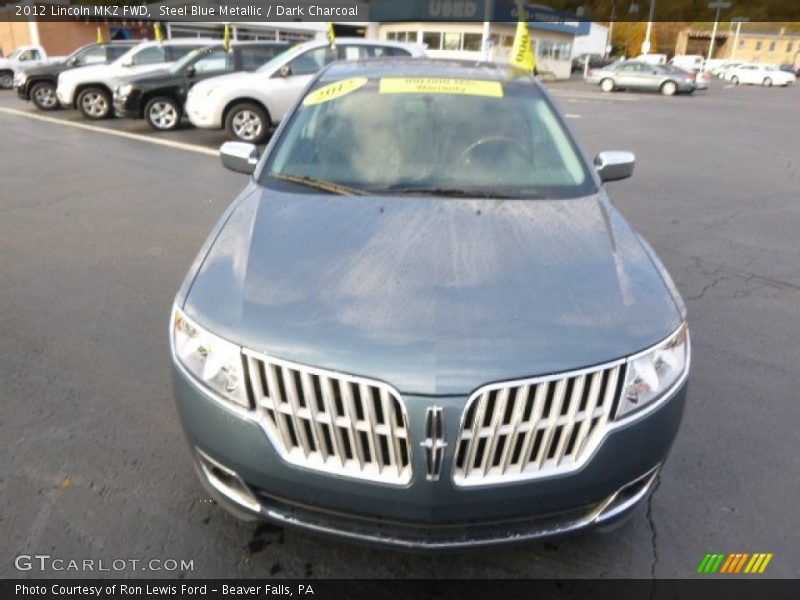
[(609, 42), (487, 30), (719, 5), (648, 31), (738, 21)]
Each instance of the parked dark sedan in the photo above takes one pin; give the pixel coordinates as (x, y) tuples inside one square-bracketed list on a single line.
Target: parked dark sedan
[(38, 84), (595, 61), (159, 97), (423, 324)]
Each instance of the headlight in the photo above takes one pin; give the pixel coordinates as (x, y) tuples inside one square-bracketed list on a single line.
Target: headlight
[(20, 78), (125, 90), (213, 361), (652, 374)]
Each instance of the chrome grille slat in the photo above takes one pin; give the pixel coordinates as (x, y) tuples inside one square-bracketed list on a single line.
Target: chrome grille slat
[(536, 427), (566, 433), (331, 422)]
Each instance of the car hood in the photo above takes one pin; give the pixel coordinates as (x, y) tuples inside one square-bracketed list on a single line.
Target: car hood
[(110, 71), (229, 81), (161, 75), (51, 69), (434, 296)]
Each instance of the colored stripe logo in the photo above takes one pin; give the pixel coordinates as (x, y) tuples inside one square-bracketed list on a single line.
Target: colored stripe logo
[(731, 564)]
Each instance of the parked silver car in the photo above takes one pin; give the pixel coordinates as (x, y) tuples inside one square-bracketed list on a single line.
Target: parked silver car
[(638, 75)]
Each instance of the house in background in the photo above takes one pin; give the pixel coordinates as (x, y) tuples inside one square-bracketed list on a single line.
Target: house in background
[(752, 45), (61, 38)]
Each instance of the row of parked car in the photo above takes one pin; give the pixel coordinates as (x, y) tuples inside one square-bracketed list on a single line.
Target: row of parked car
[(245, 87), (682, 74)]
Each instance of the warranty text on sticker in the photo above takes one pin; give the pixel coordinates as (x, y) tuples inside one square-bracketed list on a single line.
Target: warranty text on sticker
[(334, 90), (431, 85)]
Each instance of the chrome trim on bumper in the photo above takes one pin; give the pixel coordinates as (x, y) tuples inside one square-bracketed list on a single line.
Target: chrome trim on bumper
[(260, 505)]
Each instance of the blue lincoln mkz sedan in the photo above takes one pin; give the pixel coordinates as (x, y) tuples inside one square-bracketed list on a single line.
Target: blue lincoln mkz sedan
[(423, 324)]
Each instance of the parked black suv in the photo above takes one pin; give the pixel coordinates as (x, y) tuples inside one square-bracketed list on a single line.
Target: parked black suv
[(159, 97), (38, 84)]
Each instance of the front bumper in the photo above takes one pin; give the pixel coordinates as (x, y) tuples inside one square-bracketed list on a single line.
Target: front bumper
[(66, 97), (241, 468), (128, 107), (200, 116)]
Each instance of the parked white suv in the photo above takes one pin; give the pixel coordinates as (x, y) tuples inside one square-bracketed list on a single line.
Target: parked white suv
[(90, 89), (247, 104), (757, 74)]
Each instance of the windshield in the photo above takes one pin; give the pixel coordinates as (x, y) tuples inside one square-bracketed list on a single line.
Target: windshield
[(178, 66), (15, 53), (430, 136), (279, 59)]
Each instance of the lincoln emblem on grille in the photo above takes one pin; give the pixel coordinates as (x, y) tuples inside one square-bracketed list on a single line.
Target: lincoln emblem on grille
[(434, 443)]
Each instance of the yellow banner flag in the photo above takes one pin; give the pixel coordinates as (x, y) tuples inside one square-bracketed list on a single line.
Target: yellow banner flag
[(522, 53), (100, 39), (159, 33), (331, 35), (226, 38)]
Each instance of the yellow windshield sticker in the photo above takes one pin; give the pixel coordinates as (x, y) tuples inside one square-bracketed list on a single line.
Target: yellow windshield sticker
[(430, 85), (334, 90)]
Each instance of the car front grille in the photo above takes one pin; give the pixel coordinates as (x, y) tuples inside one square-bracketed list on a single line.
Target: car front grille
[(536, 427), (327, 421)]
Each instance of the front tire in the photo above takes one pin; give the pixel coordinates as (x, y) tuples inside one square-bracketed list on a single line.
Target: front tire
[(94, 103), (767, 82), (248, 122), (669, 88), (607, 85), (163, 113), (44, 96)]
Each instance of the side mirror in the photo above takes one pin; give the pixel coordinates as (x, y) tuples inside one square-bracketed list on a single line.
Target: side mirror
[(72, 62), (191, 71), (285, 71), (613, 165), (239, 157), (128, 63)]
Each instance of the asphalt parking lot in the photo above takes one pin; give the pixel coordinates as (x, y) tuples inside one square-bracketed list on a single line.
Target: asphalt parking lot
[(97, 232)]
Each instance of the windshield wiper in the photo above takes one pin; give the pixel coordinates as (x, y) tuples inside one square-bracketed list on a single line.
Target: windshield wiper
[(452, 192), (320, 184)]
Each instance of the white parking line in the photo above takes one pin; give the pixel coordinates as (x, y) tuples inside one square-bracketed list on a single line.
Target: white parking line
[(584, 96), (122, 134), (572, 116)]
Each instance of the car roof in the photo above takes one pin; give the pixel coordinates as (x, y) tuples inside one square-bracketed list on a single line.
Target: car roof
[(356, 41), (182, 42), (244, 44), (422, 67)]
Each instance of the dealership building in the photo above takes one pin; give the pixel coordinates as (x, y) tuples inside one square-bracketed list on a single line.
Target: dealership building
[(552, 32), (428, 22)]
